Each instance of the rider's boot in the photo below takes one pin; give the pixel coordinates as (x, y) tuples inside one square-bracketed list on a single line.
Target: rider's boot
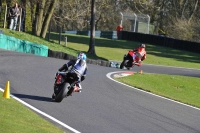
[(77, 89), (138, 63)]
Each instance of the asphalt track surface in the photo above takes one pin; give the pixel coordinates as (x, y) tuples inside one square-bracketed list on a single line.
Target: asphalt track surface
[(104, 106)]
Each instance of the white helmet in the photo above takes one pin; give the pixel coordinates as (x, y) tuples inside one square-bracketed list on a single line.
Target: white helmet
[(142, 45)]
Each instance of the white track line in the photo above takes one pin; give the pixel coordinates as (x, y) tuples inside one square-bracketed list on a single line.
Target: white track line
[(44, 114), (109, 76)]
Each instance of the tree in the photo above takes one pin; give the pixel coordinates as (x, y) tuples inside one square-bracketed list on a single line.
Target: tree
[(48, 18), (40, 6), (177, 18), (92, 31), (166, 15), (41, 15)]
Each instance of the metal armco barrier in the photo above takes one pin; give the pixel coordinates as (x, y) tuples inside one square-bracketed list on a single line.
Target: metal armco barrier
[(61, 55)]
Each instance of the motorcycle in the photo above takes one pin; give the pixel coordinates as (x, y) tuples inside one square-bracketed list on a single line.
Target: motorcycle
[(64, 86), (128, 61)]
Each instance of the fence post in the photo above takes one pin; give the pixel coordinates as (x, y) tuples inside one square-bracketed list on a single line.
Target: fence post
[(66, 41), (20, 20)]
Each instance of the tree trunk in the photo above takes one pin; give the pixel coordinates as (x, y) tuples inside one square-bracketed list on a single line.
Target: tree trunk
[(0, 9), (35, 19), (92, 31), (32, 16), (40, 17), (183, 10), (23, 15), (192, 14), (8, 2), (48, 18)]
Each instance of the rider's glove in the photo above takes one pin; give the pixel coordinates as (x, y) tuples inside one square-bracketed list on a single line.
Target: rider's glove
[(57, 73), (82, 78)]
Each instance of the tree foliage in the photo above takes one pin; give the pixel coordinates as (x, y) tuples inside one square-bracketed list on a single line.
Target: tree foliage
[(176, 18)]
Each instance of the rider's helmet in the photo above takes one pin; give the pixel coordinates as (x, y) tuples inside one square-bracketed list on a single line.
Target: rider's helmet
[(82, 56), (142, 45)]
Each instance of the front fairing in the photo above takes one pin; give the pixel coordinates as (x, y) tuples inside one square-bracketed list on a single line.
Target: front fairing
[(131, 53), (128, 57)]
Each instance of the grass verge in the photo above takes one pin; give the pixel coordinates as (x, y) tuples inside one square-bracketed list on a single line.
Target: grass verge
[(16, 118), (107, 49), (180, 88)]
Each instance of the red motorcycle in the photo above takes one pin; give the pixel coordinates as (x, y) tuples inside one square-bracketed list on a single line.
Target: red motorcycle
[(128, 61)]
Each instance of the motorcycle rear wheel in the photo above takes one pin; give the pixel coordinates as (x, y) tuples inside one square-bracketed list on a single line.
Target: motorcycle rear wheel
[(62, 93)]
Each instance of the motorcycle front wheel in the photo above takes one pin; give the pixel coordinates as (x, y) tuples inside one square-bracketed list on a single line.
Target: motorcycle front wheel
[(124, 64)]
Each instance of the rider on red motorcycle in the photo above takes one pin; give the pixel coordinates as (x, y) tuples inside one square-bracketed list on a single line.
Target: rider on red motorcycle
[(140, 54)]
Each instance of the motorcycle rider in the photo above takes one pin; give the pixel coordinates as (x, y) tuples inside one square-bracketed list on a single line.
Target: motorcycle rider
[(140, 54), (77, 66)]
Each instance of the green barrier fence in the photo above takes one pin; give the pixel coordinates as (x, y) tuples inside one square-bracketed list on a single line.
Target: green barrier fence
[(11, 43)]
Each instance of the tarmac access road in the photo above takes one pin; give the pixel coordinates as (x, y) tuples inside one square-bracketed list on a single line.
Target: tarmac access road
[(104, 106)]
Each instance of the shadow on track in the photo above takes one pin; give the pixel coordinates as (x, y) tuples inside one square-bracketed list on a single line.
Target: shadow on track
[(39, 98)]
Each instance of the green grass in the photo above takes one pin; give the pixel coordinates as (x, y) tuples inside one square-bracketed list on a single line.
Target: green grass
[(107, 49), (15, 118), (180, 88)]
